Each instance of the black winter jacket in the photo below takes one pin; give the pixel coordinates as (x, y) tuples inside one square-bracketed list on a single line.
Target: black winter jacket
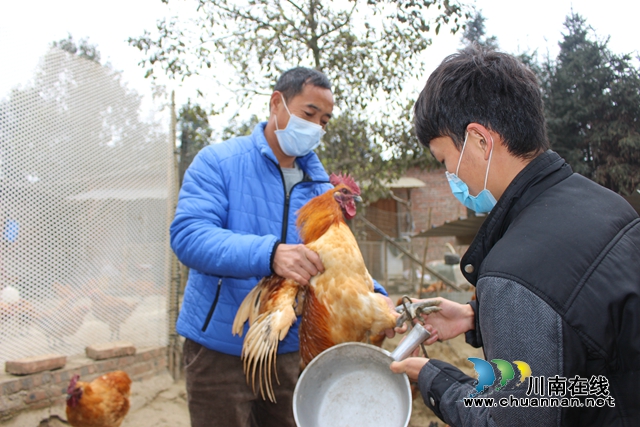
[(557, 270)]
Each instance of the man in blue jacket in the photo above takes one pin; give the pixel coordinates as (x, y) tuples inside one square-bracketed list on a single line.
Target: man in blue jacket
[(235, 224)]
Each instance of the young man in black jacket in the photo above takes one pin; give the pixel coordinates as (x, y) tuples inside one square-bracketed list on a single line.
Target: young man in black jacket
[(556, 263)]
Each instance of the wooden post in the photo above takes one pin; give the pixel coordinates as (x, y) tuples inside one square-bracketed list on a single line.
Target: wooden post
[(175, 350), (424, 256)]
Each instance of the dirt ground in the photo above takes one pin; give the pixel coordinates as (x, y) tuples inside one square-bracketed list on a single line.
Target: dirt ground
[(161, 402)]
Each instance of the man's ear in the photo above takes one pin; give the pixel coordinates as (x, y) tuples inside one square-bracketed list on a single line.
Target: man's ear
[(275, 101), (481, 134)]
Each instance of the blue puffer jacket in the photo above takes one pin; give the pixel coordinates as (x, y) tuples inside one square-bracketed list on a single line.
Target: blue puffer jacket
[(230, 215)]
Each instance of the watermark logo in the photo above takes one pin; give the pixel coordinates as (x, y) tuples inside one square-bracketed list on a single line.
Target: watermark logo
[(541, 391), (487, 378)]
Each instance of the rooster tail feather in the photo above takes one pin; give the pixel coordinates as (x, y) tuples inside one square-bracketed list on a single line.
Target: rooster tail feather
[(261, 346), (248, 310)]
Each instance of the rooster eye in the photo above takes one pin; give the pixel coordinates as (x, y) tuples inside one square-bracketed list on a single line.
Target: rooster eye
[(344, 191)]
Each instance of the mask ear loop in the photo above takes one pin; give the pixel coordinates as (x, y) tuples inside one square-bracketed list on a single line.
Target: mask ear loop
[(489, 165), (466, 135), (285, 104), (285, 107)]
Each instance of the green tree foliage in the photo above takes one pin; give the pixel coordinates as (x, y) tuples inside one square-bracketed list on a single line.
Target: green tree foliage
[(592, 102), (240, 127), (475, 32), (369, 49), (195, 133), (82, 48)]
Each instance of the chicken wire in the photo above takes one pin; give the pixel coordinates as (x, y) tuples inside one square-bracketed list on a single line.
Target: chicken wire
[(86, 186)]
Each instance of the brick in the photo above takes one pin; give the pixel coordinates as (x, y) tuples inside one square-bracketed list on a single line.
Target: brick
[(61, 377), (45, 378), (35, 396), (11, 387), (141, 369), (40, 404), (26, 383), (31, 365), (56, 390), (107, 365), (110, 350), (126, 361)]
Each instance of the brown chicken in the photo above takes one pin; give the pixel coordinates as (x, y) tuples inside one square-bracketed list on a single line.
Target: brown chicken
[(338, 306), (103, 402)]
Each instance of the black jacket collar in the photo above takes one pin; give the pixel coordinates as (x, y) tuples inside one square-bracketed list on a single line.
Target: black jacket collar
[(543, 172)]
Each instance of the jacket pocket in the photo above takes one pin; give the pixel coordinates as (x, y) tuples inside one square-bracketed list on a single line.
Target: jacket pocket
[(213, 307)]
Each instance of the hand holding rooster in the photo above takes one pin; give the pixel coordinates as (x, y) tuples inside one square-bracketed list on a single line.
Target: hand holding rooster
[(296, 262)]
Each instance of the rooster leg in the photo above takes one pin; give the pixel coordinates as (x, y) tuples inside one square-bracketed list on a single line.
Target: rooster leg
[(409, 311)]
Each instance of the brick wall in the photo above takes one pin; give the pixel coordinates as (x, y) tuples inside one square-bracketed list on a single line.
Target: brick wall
[(444, 207), (19, 394)]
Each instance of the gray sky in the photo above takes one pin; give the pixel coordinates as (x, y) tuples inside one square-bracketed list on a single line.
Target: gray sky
[(27, 28)]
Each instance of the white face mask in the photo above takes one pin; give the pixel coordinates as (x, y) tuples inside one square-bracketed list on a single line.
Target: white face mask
[(299, 137)]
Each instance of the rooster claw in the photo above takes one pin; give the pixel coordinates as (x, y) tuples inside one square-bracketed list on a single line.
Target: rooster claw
[(415, 310)]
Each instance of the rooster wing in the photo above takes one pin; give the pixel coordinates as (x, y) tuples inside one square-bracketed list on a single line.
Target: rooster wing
[(270, 310)]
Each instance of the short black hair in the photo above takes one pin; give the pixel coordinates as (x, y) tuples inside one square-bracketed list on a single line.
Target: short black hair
[(292, 81), (480, 85)]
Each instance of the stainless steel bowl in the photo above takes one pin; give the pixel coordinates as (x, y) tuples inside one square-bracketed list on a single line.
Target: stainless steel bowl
[(351, 385)]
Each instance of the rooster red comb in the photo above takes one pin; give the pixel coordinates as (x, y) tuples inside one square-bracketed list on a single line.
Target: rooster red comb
[(346, 180), (72, 383)]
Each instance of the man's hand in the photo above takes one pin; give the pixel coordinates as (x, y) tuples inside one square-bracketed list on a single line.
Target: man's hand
[(411, 366), (296, 262), (452, 320)]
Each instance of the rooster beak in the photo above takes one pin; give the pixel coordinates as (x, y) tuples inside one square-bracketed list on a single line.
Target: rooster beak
[(357, 199)]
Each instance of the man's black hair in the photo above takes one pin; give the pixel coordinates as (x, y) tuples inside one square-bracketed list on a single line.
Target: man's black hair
[(478, 85), (292, 81)]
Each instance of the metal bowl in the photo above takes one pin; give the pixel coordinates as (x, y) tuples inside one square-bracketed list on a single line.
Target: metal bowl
[(351, 385)]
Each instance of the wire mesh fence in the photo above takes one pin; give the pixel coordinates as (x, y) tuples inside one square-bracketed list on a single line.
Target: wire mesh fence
[(86, 188)]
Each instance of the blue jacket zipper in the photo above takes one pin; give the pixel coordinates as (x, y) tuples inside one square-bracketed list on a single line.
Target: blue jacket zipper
[(213, 307)]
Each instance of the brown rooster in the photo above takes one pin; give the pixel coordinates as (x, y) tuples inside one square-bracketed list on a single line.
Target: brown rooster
[(103, 402), (338, 306)]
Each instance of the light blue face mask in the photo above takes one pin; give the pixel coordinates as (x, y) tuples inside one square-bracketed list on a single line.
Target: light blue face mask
[(481, 203), (299, 137)]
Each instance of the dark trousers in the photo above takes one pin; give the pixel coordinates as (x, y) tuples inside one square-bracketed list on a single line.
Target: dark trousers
[(218, 394)]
